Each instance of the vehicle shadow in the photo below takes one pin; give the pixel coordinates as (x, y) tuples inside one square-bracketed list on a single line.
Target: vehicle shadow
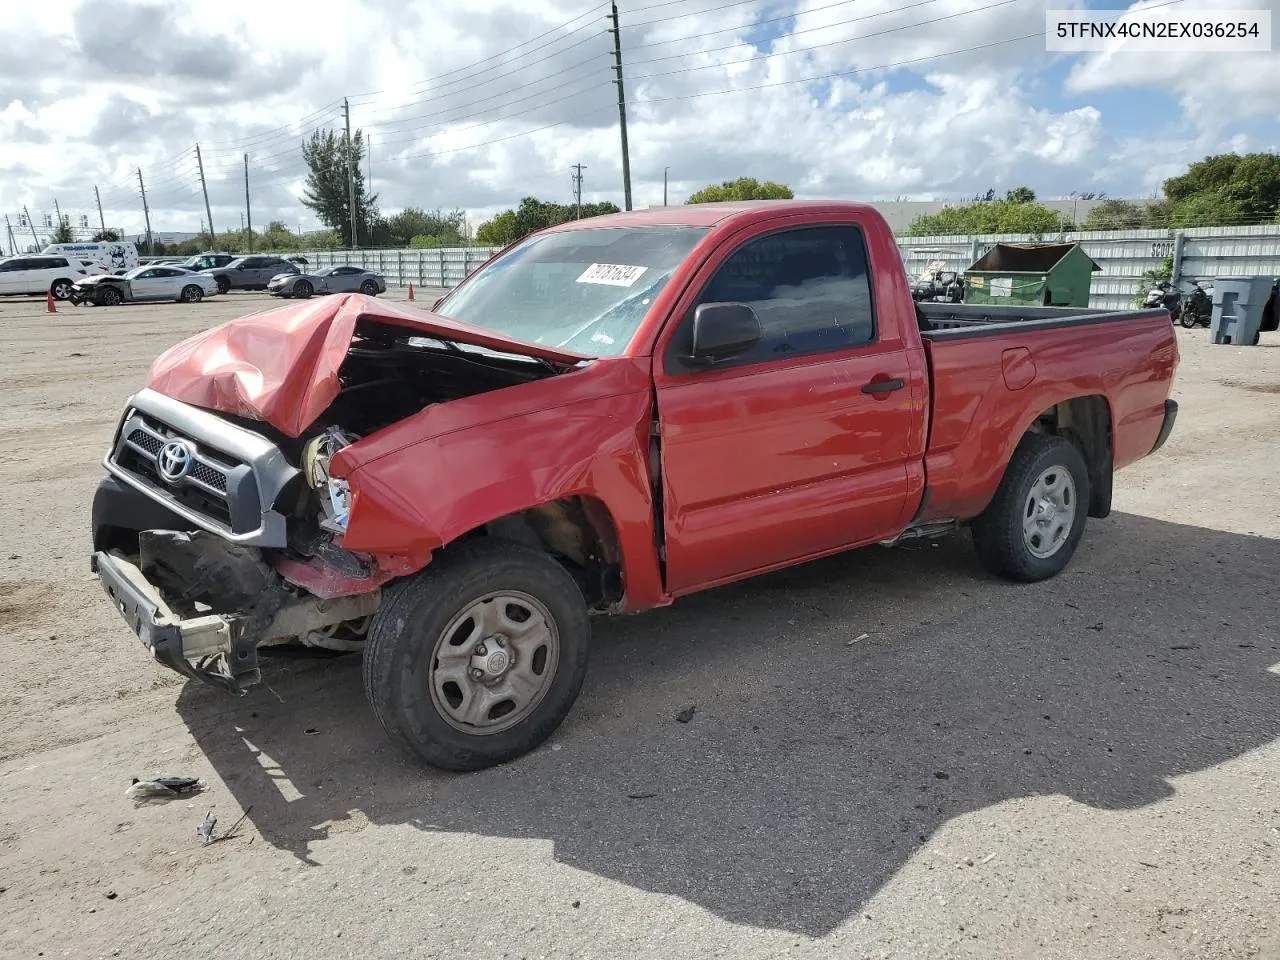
[(816, 763)]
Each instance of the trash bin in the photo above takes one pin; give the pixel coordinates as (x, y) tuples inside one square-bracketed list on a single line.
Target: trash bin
[(1238, 303)]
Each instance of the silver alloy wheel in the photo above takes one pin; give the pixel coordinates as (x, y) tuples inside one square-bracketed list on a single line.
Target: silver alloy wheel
[(1050, 512), (494, 662), (61, 290)]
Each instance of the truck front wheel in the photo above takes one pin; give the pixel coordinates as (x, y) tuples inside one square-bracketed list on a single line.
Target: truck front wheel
[(479, 658), (1035, 522)]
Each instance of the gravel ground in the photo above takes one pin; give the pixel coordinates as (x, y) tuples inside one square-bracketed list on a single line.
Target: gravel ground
[(1083, 768)]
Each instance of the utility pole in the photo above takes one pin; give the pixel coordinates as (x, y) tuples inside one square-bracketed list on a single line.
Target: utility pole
[(13, 247), (622, 105), (248, 211), (577, 190), (664, 185), (101, 219), (368, 181), (146, 213), (205, 189), (351, 173), (32, 224), (57, 212)]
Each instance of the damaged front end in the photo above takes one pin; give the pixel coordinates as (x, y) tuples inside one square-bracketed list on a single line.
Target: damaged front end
[(220, 526), (203, 606)]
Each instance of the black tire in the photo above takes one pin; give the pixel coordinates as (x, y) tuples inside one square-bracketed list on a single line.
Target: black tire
[(224, 285), (999, 536), (369, 288), (1188, 319), (111, 297), (303, 290), (191, 294), (61, 289), (400, 651)]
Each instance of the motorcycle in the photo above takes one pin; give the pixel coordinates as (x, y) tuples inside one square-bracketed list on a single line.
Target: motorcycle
[(1164, 296), (1196, 308)]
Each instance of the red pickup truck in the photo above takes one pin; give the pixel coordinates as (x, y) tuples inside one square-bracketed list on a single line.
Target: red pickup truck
[(609, 414)]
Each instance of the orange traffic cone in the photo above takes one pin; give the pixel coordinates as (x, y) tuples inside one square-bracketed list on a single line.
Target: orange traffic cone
[(411, 290), (50, 305)]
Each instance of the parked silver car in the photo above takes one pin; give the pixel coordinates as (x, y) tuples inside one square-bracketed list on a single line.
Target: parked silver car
[(341, 279), (147, 282)]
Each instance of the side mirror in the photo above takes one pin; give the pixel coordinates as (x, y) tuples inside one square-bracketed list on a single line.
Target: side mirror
[(724, 330)]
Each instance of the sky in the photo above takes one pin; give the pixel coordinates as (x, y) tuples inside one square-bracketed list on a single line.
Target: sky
[(476, 104)]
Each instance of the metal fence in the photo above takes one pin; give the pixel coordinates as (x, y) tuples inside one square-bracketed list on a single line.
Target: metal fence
[(440, 267), (1124, 255)]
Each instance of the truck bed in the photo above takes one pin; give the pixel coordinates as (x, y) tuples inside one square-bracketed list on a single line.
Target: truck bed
[(993, 370), (950, 321)]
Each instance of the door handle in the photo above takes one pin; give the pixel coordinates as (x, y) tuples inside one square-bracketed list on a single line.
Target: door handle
[(884, 386)]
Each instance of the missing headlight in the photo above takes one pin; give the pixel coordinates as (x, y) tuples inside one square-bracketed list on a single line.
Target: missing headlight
[(334, 493)]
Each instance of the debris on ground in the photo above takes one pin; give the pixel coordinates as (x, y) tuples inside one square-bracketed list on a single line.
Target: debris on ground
[(162, 788), (204, 832), (685, 715), (640, 796), (858, 639)]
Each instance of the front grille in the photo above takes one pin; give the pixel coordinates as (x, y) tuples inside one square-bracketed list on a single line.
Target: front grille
[(148, 442), (208, 482)]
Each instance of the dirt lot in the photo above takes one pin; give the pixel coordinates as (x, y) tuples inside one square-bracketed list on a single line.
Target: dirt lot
[(1083, 768)]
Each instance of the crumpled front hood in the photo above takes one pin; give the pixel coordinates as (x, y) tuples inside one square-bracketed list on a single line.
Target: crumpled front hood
[(281, 366)]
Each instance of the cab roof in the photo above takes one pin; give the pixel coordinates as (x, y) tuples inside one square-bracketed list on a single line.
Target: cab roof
[(713, 214)]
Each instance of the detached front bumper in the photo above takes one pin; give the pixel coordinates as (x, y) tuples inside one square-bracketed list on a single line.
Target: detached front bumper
[(217, 648), (171, 640)]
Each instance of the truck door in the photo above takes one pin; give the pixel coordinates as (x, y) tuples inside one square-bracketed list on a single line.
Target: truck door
[(800, 445)]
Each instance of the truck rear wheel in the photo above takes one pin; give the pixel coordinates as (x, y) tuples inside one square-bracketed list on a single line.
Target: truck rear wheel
[(1034, 524), (479, 658)]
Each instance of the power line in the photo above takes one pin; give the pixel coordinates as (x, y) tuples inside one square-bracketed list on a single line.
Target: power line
[(793, 33), (583, 63), (833, 43), (496, 56)]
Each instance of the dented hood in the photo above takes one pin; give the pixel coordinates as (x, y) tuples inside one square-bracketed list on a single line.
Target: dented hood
[(281, 366)]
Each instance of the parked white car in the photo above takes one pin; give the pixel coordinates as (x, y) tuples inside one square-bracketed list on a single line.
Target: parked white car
[(35, 274)]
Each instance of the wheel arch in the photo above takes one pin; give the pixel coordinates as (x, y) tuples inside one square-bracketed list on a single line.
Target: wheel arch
[(577, 531), (1087, 422)]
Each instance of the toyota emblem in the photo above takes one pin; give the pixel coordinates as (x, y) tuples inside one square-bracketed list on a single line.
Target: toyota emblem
[(174, 461)]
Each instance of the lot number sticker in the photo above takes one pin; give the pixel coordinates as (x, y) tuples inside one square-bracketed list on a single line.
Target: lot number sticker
[(1002, 286), (612, 274)]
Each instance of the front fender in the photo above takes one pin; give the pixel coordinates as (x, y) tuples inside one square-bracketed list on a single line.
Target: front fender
[(410, 502)]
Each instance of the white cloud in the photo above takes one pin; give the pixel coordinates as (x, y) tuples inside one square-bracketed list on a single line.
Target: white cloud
[(90, 93)]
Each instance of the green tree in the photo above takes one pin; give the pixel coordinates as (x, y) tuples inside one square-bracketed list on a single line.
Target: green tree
[(1020, 195), (1215, 208), (1117, 215), (534, 214), (1244, 187), (499, 231), (329, 158), (63, 233), (106, 236), (744, 188), (412, 222), (996, 216)]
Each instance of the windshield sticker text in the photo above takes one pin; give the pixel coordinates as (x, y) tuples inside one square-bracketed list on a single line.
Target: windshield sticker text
[(612, 274)]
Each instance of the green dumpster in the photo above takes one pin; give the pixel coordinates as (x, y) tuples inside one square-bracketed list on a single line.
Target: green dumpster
[(1031, 274)]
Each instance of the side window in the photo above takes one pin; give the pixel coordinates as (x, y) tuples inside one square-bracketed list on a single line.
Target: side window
[(57, 263), (809, 287), (9, 266)]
